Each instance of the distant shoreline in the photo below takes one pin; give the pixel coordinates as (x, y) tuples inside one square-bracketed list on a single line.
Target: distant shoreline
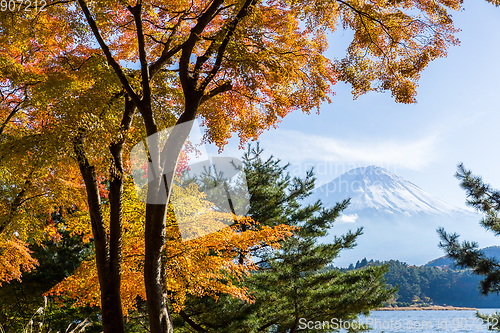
[(425, 308)]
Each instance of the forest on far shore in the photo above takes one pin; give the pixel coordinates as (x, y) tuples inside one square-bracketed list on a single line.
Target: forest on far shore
[(425, 285)]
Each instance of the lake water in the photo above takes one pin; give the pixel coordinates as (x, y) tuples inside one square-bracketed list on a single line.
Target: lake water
[(424, 321)]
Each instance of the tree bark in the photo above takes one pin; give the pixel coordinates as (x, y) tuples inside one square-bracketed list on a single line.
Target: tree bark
[(108, 249), (107, 269), (155, 235)]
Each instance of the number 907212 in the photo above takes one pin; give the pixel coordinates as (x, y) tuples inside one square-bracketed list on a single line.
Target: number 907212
[(23, 5)]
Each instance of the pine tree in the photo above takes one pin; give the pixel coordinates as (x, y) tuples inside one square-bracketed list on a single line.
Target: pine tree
[(362, 263), (294, 281), (484, 199)]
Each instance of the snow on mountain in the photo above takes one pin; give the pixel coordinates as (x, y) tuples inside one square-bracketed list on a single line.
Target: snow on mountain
[(399, 219), (374, 188)]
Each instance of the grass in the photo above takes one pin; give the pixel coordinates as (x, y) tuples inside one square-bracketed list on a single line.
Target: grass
[(37, 322)]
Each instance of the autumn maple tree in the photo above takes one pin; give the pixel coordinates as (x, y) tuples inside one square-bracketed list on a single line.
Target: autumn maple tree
[(82, 81)]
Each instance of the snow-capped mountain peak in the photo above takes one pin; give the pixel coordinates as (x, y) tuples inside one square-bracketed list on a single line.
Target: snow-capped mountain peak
[(376, 189)]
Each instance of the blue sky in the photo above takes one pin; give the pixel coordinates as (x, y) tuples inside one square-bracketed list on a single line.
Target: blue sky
[(456, 118)]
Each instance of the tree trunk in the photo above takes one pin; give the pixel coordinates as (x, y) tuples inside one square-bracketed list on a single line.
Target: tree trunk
[(112, 315), (108, 249), (108, 271), (155, 236), (159, 316)]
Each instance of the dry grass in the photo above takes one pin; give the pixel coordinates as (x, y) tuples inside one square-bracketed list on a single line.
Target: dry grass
[(37, 321)]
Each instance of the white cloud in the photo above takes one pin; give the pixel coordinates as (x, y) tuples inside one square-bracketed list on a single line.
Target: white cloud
[(298, 147), (347, 218)]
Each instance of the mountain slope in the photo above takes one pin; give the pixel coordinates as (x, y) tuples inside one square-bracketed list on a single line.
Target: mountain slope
[(490, 252)]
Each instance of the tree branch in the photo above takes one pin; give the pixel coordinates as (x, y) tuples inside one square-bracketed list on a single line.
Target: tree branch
[(231, 27), (93, 196), (226, 86), (187, 49), (146, 87), (116, 189), (167, 53), (17, 202), (191, 322), (12, 114), (112, 62)]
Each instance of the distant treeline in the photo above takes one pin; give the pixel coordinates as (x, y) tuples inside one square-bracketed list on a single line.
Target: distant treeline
[(432, 285)]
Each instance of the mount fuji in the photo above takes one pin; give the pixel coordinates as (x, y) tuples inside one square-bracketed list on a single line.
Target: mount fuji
[(399, 219)]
